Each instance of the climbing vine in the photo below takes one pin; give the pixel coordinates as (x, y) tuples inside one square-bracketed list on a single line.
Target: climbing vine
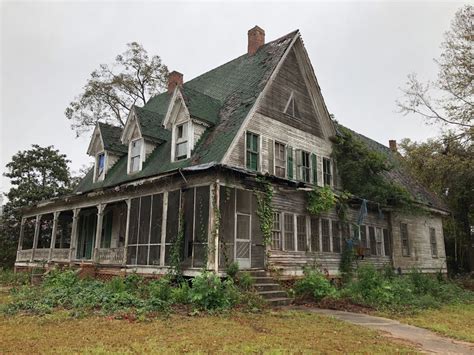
[(176, 270), (265, 209), (320, 199)]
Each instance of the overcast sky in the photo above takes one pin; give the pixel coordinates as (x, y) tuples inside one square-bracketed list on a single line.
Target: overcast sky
[(361, 53)]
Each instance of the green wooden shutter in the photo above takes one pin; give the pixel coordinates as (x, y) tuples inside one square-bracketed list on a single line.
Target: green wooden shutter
[(314, 167), (289, 159), (271, 168)]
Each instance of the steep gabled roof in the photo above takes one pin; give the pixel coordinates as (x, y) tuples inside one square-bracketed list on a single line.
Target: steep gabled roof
[(111, 138), (150, 125), (221, 97), (399, 174)]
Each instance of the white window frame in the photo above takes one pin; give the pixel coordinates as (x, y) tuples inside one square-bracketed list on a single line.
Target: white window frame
[(433, 243), (303, 167), (285, 159), (277, 243), (97, 176), (189, 139), (331, 175), (142, 154)]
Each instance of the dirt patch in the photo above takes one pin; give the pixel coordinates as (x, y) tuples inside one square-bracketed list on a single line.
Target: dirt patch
[(343, 304)]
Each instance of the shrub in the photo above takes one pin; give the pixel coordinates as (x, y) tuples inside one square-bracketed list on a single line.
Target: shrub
[(160, 289), (245, 281), (315, 285), (180, 294), (209, 292), (232, 269), (9, 277)]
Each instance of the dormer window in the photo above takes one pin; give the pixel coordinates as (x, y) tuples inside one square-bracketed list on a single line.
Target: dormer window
[(181, 149), (291, 107), (100, 166), (135, 155)]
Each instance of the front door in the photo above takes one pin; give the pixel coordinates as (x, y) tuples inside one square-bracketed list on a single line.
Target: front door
[(243, 240)]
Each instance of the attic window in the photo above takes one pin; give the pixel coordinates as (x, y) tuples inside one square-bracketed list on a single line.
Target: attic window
[(135, 155), (100, 165), (291, 107), (181, 142)]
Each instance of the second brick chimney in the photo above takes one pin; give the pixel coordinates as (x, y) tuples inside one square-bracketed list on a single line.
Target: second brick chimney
[(174, 79), (392, 143), (256, 39)]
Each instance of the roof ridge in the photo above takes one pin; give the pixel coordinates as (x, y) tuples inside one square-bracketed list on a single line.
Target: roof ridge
[(239, 57)]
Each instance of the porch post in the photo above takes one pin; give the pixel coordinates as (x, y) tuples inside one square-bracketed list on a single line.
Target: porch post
[(75, 220), (98, 232), (127, 227), (22, 231), (163, 228), (213, 239), (35, 238), (53, 235)]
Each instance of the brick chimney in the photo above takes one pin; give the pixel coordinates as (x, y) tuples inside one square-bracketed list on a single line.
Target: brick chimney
[(174, 79), (392, 143), (256, 38)]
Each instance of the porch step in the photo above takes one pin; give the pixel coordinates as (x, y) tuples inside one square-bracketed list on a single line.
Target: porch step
[(269, 289)]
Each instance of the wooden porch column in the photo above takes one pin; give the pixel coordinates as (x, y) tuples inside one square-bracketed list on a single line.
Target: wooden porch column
[(213, 240), (127, 227), (53, 235), (163, 228), (22, 231), (98, 232), (35, 238), (75, 220)]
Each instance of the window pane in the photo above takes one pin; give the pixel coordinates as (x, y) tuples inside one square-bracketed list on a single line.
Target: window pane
[(181, 150), (142, 255), (289, 232), (156, 219), (373, 246), (386, 242), (301, 232), (144, 226), (154, 255), (135, 164), (136, 148), (276, 232), (133, 224), (336, 237), (314, 234), (243, 226), (325, 235)]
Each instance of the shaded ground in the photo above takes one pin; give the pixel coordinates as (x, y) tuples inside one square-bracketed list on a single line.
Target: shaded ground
[(424, 339)]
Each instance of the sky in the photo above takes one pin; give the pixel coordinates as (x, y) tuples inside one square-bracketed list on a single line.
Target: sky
[(361, 52)]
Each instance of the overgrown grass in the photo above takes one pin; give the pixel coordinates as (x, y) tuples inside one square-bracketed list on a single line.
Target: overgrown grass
[(129, 295), (385, 291), (9, 278), (235, 332)]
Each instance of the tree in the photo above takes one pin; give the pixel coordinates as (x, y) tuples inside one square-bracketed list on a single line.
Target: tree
[(111, 90), (35, 174), (448, 100), (446, 167)]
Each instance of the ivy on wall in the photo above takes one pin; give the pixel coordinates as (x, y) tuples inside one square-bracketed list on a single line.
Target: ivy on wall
[(264, 209), (320, 199)]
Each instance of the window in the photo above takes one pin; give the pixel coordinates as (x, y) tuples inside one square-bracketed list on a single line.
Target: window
[(280, 160), (434, 247), (336, 237), (386, 242), (304, 167), (405, 241), (289, 226), (325, 235), (327, 172), (100, 165), (378, 238), (291, 107), (314, 234), (301, 232), (363, 237), (135, 155), (252, 151), (373, 245), (181, 151), (289, 154), (276, 231)]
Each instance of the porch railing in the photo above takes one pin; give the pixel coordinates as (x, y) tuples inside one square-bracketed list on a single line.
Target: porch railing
[(41, 254), (111, 255), (24, 255), (60, 254)]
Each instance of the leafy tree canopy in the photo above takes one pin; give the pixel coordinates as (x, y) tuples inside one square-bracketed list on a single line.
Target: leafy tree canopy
[(112, 89)]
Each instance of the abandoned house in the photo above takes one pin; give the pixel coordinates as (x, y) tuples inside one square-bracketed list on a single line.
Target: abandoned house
[(181, 177)]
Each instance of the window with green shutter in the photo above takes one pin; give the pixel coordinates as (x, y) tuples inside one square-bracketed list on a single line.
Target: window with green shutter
[(289, 161), (252, 151)]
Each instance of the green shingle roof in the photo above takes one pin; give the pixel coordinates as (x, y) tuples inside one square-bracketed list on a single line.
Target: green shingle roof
[(111, 138), (399, 174), (222, 97)]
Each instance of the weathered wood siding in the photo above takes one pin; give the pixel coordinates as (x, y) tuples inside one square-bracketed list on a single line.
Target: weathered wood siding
[(419, 242)]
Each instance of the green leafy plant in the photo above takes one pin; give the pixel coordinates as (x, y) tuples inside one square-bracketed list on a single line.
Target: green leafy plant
[(232, 269), (209, 292), (314, 285), (264, 209), (320, 199), (245, 281)]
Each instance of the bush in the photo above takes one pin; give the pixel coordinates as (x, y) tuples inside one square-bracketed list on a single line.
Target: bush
[(209, 292), (180, 294), (232, 270), (9, 277), (315, 285), (245, 281)]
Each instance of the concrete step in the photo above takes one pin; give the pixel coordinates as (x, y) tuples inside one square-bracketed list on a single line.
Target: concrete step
[(273, 294), (264, 280), (267, 287), (276, 302), (257, 273)]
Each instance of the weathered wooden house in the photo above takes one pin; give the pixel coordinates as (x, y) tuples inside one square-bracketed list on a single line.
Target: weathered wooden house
[(183, 170)]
